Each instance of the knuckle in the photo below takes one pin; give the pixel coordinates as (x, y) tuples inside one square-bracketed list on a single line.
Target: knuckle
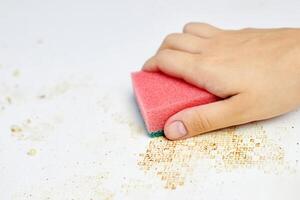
[(192, 25), (162, 55), (204, 25), (205, 62), (164, 52), (196, 65), (171, 37), (193, 65), (188, 26), (200, 123), (247, 29)]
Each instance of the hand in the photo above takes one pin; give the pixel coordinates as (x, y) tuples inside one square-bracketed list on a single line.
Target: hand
[(256, 71)]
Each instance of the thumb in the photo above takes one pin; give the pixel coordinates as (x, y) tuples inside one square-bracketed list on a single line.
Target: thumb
[(204, 118)]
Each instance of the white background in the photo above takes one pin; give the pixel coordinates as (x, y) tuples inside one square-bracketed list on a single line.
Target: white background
[(79, 54)]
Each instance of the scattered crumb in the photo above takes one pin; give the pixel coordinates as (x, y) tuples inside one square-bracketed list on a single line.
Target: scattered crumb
[(43, 96), (16, 73), (15, 129), (9, 100), (31, 152), (226, 150), (40, 41), (56, 90), (33, 130)]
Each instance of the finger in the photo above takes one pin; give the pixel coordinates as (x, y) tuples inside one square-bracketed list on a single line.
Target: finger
[(205, 118), (201, 29), (184, 42), (178, 64)]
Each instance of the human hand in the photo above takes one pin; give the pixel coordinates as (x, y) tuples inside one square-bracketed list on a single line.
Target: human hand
[(256, 71)]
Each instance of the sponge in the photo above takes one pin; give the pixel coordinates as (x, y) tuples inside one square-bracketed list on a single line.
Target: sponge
[(160, 96)]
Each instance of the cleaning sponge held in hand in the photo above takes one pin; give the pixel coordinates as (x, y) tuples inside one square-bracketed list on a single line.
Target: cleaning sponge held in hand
[(160, 96)]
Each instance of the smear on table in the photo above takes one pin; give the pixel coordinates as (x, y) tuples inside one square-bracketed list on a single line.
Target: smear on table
[(226, 150)]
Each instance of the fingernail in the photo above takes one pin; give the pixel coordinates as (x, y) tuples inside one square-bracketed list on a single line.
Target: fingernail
[(176, 130)]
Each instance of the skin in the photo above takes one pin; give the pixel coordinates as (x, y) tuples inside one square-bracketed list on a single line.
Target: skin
[(255, 71)]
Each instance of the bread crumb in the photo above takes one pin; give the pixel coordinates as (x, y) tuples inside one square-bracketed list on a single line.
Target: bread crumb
[(15, 129), (16, 73), (31, 152)]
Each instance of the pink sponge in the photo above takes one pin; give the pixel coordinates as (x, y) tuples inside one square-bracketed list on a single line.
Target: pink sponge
[(160, 96)]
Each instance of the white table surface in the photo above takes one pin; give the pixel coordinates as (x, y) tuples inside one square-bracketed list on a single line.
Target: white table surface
[(69, 126)]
